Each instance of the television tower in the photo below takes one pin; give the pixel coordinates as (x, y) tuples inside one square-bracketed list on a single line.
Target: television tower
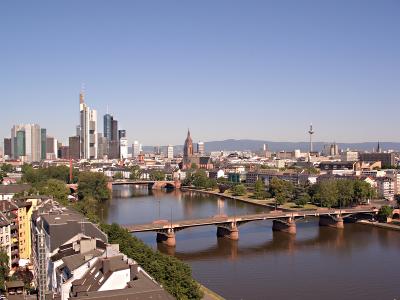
[(311, 132)]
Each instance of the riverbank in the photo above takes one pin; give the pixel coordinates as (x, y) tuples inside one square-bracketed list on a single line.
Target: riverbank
[(380, 225), (209, 294), (263, 203)]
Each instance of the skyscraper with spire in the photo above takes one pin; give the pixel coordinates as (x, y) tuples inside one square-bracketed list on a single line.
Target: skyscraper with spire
[(88, 129)]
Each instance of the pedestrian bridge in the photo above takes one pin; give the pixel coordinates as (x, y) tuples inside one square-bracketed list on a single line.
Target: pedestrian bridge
[(227, 226)]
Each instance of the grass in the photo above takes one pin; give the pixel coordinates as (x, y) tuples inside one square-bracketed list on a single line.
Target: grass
[(291, 205)]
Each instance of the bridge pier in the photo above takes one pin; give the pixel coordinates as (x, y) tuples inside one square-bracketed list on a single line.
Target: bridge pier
[(288, 225), (167, 238), (231, 232), (335, 221)]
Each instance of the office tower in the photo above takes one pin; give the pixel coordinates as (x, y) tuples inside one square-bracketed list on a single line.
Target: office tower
[(157, 150), (113, 149), (26, 142), (114, 130), (7, 147), (102, 150), (74, 147), (63, 152), (135, 149), (88, 125), (200, 148), (43, 137), (123, 147), (121, 133), (107, 124), (170, 152)]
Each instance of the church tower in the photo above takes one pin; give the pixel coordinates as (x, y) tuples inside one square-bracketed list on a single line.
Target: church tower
[(187, 150)]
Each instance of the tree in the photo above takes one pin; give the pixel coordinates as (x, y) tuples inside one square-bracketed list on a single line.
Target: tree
[(326, 193), (239, 190), (259, 190), (93, 184), (2, 175), (397, 198), (363, 191), (384, 213), (345, 191), (301, 197), (157, 175), (4, 268), (135, 173), (118, 175), (7, 168), (281, 190), (57, 189)]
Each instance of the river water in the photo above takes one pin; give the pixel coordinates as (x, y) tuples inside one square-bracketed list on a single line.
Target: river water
[(359, 262)]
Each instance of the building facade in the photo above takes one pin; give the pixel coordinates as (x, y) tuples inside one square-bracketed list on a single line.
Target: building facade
[(88, 126)]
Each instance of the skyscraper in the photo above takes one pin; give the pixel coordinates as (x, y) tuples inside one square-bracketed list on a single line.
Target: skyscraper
[(170, 152), (7, 147), (135, 149), (88, 125), (114, 130), (200, 148), (43, 141), (26, 142), (107, 124), (74, 147)]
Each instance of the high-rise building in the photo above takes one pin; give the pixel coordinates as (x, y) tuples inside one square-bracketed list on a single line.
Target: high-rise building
[(63, 152), (114, 130), (123, 147), (51, 148), (88, 125), (113, 149), (170, 152), (121, 133), (187, 151), (135, 149), (201, 148), (26, 142), (74, 147), (107, 124), (43, 137), (7, 147), (102, 150)]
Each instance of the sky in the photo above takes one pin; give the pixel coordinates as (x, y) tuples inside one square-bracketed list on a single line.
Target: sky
[(225, 69)]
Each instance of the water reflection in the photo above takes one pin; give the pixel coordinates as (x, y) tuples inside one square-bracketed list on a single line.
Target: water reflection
[(316, 263)]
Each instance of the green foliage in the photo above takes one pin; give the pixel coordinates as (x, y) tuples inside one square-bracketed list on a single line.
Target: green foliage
[(345, 192), (93, 184), (259, 190), (135, 173), (2, 175), (301, 197), (199, 179), (36, 177), (4, 269), (384, 213), (281, 190), (194, 166), (57, 189), (222, 180), (157, 175), (363, 191), (173, 274), (326, 193), (239, 190), (118, 175), (7, 168)]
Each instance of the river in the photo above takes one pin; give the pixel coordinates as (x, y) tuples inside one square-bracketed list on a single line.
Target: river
[(359, 262)]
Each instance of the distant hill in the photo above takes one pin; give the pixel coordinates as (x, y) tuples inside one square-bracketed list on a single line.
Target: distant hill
[(256, 145)]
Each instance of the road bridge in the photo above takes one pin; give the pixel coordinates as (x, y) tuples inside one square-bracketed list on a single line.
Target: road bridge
[(152, 184), (227, 226)]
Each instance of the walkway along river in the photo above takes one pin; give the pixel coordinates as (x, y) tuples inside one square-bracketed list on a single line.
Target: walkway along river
[(357, 262)]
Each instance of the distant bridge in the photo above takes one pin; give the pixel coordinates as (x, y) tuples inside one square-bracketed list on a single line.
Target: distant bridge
[(152, 184), (227, 226)]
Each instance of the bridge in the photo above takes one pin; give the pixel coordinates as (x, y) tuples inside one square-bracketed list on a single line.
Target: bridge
[(152, 184), (227, 226)]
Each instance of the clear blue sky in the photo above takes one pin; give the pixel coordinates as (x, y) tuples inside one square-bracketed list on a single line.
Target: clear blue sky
[(226, 69)]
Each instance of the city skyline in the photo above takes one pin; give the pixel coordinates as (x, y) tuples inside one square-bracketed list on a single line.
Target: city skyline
[(272, 68)]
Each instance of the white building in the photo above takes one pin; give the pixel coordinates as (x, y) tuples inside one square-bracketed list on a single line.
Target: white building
[(170, 152), (88, 126), (136, 149), (349, 156), (201, 148), (386, 187), (123, 147)]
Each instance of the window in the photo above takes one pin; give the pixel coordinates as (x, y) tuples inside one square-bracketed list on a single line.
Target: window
[(1, 240), (6, 229), (7, 238), (1, 230)]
